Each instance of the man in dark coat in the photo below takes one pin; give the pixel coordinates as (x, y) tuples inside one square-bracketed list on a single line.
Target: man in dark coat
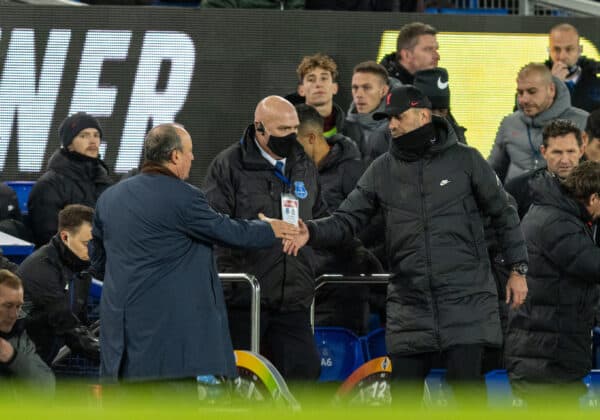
[(264, 171), (549, 340), (442, 299), (57, 284), (75, 175), (567, 63), (162, 308), (18, 358)]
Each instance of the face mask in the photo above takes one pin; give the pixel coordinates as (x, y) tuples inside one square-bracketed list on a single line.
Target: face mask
[(282, 146), (416, 141)]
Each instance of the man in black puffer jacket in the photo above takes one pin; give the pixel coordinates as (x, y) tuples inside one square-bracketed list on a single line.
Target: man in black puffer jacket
[(57, 284), (258, 174), (549, 339), (75, 175), (442, 300)]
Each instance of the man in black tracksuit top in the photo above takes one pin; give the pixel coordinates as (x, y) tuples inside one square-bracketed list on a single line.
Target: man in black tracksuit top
[(243, 181), (56, 284), (548, 341), (442, 300)]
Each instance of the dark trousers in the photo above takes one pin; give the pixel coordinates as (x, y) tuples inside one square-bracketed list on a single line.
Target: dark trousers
[(286, 340), (463, 371)]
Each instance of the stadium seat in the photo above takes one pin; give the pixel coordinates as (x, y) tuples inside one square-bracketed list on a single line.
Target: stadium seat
[(438, 394), (499, 391), (22, 188), (340, 351), (374, 344)]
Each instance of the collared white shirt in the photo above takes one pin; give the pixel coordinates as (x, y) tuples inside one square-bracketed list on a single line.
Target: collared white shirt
[(268, 157)]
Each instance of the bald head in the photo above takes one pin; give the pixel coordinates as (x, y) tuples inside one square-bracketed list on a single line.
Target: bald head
[(274, 117), (170, 145)]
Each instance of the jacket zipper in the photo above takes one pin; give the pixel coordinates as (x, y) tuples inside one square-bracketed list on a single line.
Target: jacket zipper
[(428, 254)]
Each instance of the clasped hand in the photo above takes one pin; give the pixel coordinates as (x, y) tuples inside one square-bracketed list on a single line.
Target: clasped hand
[(294, 237)]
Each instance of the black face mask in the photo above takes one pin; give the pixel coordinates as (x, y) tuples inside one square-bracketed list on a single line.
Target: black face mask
[(417, 141), (282, 146)]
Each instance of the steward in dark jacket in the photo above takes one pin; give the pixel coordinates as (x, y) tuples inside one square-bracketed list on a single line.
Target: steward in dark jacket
[(549, 337), (57, 284), (75, 175), (431, 190), (245, 179), (241, 183)]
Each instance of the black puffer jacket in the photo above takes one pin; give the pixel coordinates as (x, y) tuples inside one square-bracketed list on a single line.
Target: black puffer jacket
[(56, 293), (441, 293), (396, 70), (71, 178), (549, 336), (340, 170), (9, 205), (241, 183)]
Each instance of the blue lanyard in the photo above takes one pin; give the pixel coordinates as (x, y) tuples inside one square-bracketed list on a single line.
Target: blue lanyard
[(536, 153), (283, 178)]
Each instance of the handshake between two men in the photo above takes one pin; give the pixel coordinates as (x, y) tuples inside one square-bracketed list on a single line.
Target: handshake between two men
[(294, 237)]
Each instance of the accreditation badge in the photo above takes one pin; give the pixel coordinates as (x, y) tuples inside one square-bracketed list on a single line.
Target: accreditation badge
[(290, 209)]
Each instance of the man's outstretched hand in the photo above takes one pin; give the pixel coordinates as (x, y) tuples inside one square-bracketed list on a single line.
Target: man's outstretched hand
[(281, 229), (292, 246)]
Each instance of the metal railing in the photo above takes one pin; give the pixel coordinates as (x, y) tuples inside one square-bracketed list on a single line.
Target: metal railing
[(362, 279), (227, 277), (254, 304)]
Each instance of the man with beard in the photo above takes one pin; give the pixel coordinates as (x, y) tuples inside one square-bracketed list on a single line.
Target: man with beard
[(442, 301), (75, 175), (268, 172)]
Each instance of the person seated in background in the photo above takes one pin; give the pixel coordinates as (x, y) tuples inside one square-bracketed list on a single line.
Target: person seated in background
[(340, 167), (317, 84), (75, 175), (18, 357), (11, 219), (578, 72), (562, 148), (542, 98), (416, 50), (369, 87), (549, 343), (56, 284), (591, 137)]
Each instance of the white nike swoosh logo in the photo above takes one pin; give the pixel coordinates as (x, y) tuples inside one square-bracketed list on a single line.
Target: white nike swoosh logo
[(441, 85)]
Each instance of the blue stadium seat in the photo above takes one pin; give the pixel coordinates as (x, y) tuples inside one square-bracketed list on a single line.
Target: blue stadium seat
[(499, 391), (340, 351), (472, 11), (438, 393), (374, 344), (22, 188)]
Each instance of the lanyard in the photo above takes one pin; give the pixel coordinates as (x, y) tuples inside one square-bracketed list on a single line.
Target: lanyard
[(282, 177), (536, 153)]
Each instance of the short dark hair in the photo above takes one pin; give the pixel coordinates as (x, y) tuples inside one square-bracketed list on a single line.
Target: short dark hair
[(10, 280), (559, 128), (309, 116), (373, 68), (409, 35), (583, 181), (311, 62), (592, 126), (73, 216), (160, 143)]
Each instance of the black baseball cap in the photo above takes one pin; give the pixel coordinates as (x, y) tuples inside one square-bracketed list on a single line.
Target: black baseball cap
[(400, 99)]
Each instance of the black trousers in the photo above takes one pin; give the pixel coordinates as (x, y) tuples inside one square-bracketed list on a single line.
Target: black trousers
[(463, 372), (286, 339)]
